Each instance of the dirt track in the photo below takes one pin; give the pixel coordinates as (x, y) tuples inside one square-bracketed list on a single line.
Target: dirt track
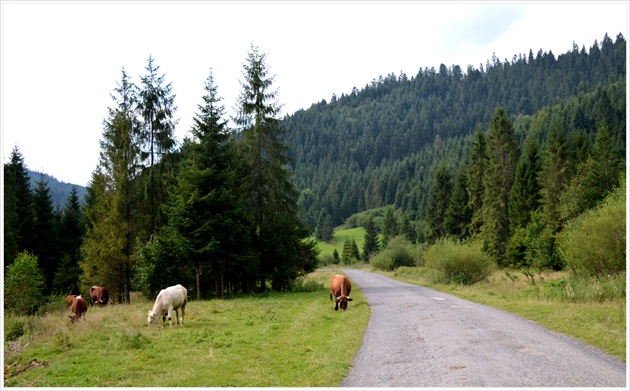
[(420, 337)]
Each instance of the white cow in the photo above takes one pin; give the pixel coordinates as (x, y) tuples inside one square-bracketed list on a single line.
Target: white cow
[(169, 299)]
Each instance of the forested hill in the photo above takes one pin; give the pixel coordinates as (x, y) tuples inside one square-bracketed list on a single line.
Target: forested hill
[(380, 145), (59, 191)]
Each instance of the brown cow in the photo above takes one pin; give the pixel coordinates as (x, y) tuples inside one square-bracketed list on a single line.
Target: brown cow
[(99, 296), (79, 308), (69, 300), (340, 287)]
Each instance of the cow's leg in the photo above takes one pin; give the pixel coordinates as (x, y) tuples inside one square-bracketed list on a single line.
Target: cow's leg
[(170, 316), (183, 315), (177, 317)]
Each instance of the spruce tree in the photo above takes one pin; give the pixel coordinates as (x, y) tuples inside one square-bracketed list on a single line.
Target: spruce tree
[(459, 214), (113, 223), (498, 182), (438, 202), (45, 241), (371, 242), (554, 174), (390, 227), (71, 231), (18, 207), (525, 196), (477, 167), (272, 198)]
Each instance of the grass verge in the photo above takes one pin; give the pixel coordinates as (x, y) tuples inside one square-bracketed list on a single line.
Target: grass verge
[(265, 340)]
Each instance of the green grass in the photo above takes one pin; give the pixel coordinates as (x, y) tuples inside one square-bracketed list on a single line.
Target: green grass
[(339, 237), (594, 318), (266, 340)]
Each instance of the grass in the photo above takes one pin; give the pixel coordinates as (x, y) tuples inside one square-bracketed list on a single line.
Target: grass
[(272, 339), (595, 318)]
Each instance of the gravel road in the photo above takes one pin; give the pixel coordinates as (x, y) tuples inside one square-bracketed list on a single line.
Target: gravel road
[(420, 337)]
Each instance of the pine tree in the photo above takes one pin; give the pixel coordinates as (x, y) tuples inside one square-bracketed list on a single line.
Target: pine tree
[(108, 247), (390, 227), (525, 196), (554, 174), (18, 207), (459, 214), (157, 108), (272, 198), (477, 167), (71, 231), (438, 202), (371, 243), (498, 181), (45, 239)]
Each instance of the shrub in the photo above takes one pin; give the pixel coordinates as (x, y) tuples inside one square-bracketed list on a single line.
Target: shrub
[(594, 243), (23, 285), (399, 252), (459, 262)]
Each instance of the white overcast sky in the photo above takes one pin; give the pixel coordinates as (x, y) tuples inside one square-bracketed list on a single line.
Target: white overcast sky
[(61, 60)]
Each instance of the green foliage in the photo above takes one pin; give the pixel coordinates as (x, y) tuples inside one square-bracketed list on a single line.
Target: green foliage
[(594, 243), (438, 202), (533, 246), (23, 285), (398, 252), (371, 243), (460, 263)]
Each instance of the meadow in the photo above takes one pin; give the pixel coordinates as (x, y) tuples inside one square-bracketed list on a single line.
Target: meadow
[(339, 238), (264, 340)]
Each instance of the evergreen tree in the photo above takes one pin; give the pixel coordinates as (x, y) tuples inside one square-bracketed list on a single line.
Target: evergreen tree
[(407, 229), (608, 163), (459, 214), (157, 108), (390, 225), (554, 174), (525, 196), (272, 198), (498, 181), (108, 247), (477, 167), (438, 202), (45, 232), (371, 242), (18, 207), (71, 231)]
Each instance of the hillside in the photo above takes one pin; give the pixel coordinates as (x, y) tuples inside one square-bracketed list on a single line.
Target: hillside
[(380, 145), (59, 190)]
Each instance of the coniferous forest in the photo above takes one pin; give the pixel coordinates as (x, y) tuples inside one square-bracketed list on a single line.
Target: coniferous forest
[(510, 154)]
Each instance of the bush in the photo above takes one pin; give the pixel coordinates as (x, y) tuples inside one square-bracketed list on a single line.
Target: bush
[(23, 285), (458, 262), (594, 243), (399, 252)]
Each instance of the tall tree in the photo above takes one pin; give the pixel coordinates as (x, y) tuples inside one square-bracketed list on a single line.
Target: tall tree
[(18, 207), (525, 195), (371, 243), (108, 248), (390, 226), (278, 232), (156, 104), (555, 171), (71, 232), (498, 181), (459, 214), (45, 241), (438, 202), (477, 167)]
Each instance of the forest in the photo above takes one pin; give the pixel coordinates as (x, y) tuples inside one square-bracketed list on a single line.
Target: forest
[(508, 154)]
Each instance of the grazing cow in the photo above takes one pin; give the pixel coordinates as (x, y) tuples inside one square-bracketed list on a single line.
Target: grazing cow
[(340, 287), (169, 299), (99, 296), (69, 300), (79, 308)]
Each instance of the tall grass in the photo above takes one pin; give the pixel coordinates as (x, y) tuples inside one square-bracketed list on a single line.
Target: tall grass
[(266, 340)]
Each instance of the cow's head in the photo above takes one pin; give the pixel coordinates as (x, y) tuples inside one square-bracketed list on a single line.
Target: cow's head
[(343, 302), (74, 318), (152, 319)]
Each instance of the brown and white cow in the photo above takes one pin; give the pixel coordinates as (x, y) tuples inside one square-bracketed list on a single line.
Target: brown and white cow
[(69, 300), (168, 300), (79, 307), (340, 287), (99, 296)]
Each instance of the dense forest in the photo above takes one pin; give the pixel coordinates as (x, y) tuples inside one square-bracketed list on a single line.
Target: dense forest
[(508, 154)]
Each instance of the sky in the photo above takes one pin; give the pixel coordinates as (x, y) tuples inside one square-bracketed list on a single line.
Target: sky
[(61, 60)]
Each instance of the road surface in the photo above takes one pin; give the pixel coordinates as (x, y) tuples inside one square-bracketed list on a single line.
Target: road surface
[(420, 337)]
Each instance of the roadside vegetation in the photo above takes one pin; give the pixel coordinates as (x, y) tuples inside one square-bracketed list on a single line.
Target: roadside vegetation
[(274, 339)]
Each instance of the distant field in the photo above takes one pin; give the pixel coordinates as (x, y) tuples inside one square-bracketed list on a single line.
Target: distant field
[(339, 237)]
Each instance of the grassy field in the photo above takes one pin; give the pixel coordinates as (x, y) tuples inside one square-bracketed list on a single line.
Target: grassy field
[(339, 237), (273, 339), (592, 311)]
